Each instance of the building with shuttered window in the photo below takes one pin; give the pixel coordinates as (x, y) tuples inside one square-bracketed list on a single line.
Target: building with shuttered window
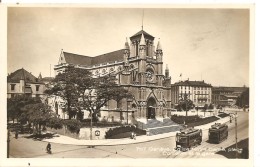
[(22, 82)]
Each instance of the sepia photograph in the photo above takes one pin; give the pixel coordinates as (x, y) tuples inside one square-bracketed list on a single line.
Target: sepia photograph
[(129, 83)]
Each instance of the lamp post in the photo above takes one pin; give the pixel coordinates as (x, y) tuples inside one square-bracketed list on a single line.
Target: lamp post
[(236, 132)]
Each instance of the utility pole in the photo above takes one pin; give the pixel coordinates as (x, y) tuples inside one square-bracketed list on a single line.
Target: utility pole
[(8, 142)]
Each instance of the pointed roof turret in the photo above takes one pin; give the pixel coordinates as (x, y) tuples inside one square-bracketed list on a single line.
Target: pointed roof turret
[(142, 41), (159, 47), (127, 45), (40, 76), (167, 67), (166, 71)]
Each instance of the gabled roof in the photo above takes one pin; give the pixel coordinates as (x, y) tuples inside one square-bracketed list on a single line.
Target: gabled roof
[(192, 83), (146, 35), (140, 33), (21, 74), (76, 59)]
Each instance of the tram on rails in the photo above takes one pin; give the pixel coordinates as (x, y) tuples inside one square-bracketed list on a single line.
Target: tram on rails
[(218, 133), (188, 138)]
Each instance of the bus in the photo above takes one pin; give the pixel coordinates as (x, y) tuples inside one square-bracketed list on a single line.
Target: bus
[(218, 133), (187, 138)]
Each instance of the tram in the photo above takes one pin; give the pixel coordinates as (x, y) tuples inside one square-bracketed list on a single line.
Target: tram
[(218, 133), (187, 138)]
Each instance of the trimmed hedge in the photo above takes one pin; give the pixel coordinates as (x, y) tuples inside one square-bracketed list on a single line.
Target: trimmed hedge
[(73, 125), (191, 121), (222, 115)]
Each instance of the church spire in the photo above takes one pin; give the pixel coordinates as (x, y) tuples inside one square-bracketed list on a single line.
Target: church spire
[(127, 47), (142, 41), (40, 76), (166, 71), (159, 47)]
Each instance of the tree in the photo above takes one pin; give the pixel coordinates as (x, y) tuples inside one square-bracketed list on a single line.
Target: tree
[(206, 106), (38, 114), (54, 123), (64, 85), (96, 92), (81, 90), (186, 104), (243, 99), (72, 125), (15, 105)]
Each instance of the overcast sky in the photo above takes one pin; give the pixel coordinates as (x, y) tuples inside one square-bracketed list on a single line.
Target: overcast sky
[(202, 44)]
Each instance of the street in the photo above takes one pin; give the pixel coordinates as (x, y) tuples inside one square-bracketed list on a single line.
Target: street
[(162, 148)]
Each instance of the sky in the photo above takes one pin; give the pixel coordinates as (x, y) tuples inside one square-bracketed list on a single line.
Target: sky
[(201, 44)]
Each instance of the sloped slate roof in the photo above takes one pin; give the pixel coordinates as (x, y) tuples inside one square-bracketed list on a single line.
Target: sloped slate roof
[(76, 59), (109, 57), (140, 33), (21, 74), (192, 83)]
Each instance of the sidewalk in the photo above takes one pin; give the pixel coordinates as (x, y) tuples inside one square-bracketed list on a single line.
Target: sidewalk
[(110, 142)]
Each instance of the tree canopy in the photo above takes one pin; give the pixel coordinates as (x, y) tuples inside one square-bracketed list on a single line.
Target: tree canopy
[(15, 105), (82, 91), (66, 85), (243, 99), (186, 104)]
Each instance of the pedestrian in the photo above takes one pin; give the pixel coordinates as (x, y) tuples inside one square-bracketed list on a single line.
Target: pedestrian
[(48, 148), (133, 135), (16, 134)]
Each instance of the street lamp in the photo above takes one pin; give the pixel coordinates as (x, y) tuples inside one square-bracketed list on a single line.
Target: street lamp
[(236, 132)]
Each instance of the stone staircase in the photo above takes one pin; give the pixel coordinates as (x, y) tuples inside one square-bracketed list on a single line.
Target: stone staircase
[(154, 127)]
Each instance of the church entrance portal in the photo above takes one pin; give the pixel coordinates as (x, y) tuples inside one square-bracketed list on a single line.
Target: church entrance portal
[(151, 104)]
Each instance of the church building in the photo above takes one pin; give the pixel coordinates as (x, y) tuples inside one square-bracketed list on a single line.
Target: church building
[(139, 68)]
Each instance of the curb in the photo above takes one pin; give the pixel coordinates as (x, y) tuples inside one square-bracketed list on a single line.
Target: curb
[(110, 142)]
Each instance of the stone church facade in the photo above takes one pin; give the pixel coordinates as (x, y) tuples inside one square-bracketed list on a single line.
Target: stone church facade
[(139, 68)]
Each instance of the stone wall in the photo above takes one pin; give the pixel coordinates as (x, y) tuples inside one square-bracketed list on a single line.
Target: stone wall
[(97, 133)]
